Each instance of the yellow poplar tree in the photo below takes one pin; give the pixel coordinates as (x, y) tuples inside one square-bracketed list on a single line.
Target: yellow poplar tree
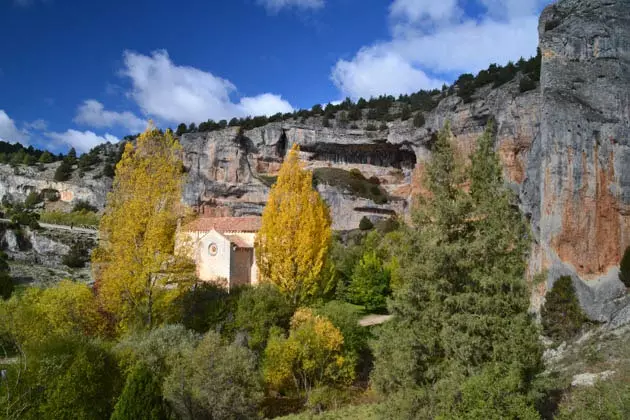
[(136, 263), (294, 239)]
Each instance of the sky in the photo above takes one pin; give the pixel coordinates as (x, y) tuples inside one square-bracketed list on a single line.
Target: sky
[(77, 73)]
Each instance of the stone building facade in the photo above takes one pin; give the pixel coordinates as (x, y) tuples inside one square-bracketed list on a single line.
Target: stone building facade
[(223, 249)]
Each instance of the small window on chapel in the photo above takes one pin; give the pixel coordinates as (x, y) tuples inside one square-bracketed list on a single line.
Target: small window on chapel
[(213, 249)]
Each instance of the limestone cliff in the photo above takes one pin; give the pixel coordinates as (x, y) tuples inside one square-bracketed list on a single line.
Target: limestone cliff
[(579, 184)]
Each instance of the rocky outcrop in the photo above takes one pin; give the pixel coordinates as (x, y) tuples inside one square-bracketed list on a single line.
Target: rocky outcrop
[(229, 168), (578, 189), (20, 181)]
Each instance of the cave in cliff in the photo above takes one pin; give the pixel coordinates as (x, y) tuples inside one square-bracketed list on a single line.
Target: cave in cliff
[(379, 154)]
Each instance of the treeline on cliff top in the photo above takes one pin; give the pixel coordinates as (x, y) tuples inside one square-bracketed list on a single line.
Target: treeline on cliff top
[(383, 108)]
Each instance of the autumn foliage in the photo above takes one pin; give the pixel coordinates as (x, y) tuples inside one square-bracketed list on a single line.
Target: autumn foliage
[(135, 259), (292, 245)]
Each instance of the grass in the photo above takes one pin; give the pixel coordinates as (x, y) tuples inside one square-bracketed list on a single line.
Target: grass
[(354, 182), (76, 218)]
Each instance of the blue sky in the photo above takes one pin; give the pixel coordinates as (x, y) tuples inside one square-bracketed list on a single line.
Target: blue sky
[(77, 73)]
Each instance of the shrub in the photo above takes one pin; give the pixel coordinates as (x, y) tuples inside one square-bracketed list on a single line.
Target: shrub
[(526, 84), (46, 157), (354, 126), (624, 268), (374, 180), (6, 283), (562, 316), (370, 284), (370, 127), (346, 318), (108, 170), (365, 224), (69, 219), (50, 194), (356, 173), (258, 310), (63, 172), (383, 127), (418, 120), (141, 397), (32, 199), (77, 256), (326, 122), (84, 206)]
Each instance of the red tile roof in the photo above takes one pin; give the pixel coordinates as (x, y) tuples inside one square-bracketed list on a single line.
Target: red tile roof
[(225, 224), (238, 241)]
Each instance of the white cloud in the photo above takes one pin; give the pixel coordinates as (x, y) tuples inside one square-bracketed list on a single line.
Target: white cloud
[(430, 37), (9, 131), (375, 72), (82, 141), (38, 125), (417, 10), (265, 104), (186, 94), (276, 5), (92, 113)]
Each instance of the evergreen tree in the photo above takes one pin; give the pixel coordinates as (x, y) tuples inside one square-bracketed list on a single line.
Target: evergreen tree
[(624, 268), (463, 303), (6, 283), (71, 157), (63, 172), (141, 397), (293, 242), (562, 316), (46, 157)]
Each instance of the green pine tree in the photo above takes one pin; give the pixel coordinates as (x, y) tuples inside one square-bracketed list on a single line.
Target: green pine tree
[(463, 303), (141, 397)]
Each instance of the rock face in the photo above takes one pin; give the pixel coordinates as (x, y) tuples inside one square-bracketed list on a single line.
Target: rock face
[(19, 182), (578, 187), (227, 169)]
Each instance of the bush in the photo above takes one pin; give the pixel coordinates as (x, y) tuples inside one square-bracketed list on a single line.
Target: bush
[(370, 127), (69, 219), (562, 316), (32, 199), (6, 283), (418, 120), (370, 284), (84, 206), (258, 310), (63, 172), (50, 194), (365, 224), (624, 268), (526, 84), (383, 127), (77, 256), (141, 397), (356, 173), (346, 318), (108, 170)]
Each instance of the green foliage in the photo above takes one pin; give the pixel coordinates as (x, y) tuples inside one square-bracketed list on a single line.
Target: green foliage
[(77, 256), (624, 268), (108, 170), (258, 310), (32, 199), (562, 316), (141, 397), (463, 301), (63, 378), (607, 399), (205, 306), (346, 318), (215, 381), (369, 284), (6, 282), (418, 120), (22, 216), (365, 224), (310, 357), (87, 218), (354, 183), (83, 206), (63, 172), (46, 157), (526, 84)]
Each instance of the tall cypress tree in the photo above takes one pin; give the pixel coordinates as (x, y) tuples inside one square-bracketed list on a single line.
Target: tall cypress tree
[(463, 303)]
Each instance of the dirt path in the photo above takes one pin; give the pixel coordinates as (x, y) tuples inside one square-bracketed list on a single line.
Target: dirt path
[(370, 320)]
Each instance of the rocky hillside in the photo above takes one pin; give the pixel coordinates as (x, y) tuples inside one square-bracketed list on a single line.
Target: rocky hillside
[(564, 145)]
